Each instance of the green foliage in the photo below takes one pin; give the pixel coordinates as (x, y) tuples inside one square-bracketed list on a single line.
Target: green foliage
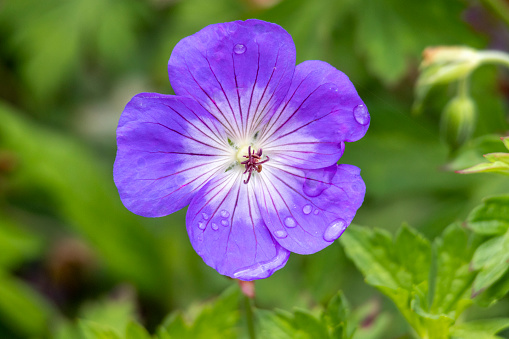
[(50, 36), (498, 162), (429, 285), (491, 259), (66, 171), (214, 320), (25, 310)]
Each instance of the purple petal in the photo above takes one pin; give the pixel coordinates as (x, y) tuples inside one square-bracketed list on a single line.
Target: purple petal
[(321, 111), (168, 147), (227, 231), (239, 71), (313, 207)]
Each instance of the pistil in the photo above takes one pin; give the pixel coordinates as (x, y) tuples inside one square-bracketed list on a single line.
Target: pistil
[(253, 162)]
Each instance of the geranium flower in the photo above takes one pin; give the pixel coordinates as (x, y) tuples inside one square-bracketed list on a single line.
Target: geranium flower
[(250, 142)]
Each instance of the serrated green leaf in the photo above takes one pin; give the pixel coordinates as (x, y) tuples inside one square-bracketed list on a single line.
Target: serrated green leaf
[(270, 325), (492, 157), (218, 319), (485, 167), (479, 329), (336, 316), (113, 314), (492, 217), (453, 278), (136, 331), (386, 263), (492, 259), (93, 330), (492, 294)]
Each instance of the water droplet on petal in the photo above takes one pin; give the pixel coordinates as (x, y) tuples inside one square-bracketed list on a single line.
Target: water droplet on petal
[(214, 226), (224, 222), (225, 214), (201, 225), (280, 234), (239, 49), (307, 209), (316, 212), (205, 216), (361, 115), (334, 230), (290, 222)]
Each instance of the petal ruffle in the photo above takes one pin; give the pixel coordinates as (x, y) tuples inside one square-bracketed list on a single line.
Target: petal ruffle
[(321, 111), (227, 231), (239, 71), (306, 210), (168, 147)]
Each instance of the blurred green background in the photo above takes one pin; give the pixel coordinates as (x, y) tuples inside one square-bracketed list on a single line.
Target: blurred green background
[(68, 67)]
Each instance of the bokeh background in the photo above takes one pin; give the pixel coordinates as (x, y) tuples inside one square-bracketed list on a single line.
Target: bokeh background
[(68, 67)]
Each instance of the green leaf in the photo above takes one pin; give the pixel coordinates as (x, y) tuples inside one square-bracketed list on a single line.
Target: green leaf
[(81, 191), (17, 245), (336, 316), (136, 331), (92, 330), (453, 277), (485, 167), (271, 325), (492, 217), (492, 259), (215, 320), (23, 309), (51, 37), (113, 314), (387, 264), (479, 329)]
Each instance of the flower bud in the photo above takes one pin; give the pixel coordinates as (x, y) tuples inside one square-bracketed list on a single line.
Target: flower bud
[(458, 121), (446, 64)]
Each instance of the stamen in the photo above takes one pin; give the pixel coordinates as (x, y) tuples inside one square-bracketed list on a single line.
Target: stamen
[(253, 162)]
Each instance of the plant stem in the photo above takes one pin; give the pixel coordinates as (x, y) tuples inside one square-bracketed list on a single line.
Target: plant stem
[(248, 304), (496, 57)]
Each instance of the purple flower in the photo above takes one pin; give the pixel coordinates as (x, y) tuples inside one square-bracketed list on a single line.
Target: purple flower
[(250, 142)]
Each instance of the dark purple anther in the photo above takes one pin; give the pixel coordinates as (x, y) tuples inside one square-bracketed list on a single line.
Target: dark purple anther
[(253, 162)]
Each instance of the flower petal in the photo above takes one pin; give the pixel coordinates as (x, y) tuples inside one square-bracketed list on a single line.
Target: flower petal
[(227, 231), (239, 71), (168, 147), (321, 111), (312, 207)]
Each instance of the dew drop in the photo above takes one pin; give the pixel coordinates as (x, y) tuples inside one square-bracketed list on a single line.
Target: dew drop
[(361, 115), (239, 49), (225, 214), (280, 234), (334, 230), (205, 216), (316, 212), (201, 225), (290, 222), (307, 209), (224, 222), (214, 226)]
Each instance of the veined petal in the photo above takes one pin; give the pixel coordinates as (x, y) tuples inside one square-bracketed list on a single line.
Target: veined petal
[(239, 71), (313, 207), (321, 111), (168, 147), (227, 231)]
